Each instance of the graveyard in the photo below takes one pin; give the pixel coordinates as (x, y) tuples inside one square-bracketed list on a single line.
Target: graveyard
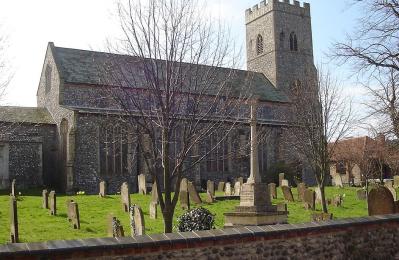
[(35, 223)]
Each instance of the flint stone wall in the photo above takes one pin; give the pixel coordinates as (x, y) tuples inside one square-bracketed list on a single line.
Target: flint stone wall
[(362, 238)]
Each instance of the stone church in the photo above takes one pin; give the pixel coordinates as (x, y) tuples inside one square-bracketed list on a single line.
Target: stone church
[(60, 143)]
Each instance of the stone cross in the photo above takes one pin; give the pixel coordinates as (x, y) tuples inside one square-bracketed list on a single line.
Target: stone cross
[(53, 203), (115, 228), (13, 188), (142, 184), (73, 214), (154, 193), (183, 194), (103, 189), (194, 196), (210, 187), (125, 196), (137, 221), (13, 220), (153, 210), (254, 176), (45, 199)]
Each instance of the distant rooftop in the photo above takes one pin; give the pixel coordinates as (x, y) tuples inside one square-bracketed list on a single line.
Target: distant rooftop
[(34, 115)]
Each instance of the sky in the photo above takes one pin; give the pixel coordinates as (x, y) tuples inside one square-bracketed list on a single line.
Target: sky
[(86, 24)]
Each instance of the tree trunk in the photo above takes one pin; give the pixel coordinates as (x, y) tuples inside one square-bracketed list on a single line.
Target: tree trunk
[(168, 219), (323, 198), (168, 207)]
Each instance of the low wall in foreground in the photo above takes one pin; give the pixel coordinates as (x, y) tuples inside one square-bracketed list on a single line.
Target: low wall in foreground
[(358, 238)]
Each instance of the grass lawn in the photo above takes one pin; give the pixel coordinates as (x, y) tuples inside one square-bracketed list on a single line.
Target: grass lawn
[(35, 223)]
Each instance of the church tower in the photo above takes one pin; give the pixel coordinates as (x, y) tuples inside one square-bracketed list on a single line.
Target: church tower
[(279, 42)]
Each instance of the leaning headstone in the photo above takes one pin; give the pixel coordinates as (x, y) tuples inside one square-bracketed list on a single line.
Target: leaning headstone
[(285, 183), (115, 228), (393, 191), (282, 207), (14, 188), (237, 188), (153, 210), (137, 221), (318, 195), (380, 201), (310, 199), (194, 196), (45, 199), (227, 189), (221, 186), (125, 196), (210, 187), (73, 214), (154, 193), (53, 203), (280, 178), (103, 188), (209, 197), (396, 181), (301, 191), (13, 220), (316, 217), (361, 194), (142, 184), (338, 180), (272, 190), (183, 195), (287, 193)]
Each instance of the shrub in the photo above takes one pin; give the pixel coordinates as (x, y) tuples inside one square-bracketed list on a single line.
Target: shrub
[(196, 219)]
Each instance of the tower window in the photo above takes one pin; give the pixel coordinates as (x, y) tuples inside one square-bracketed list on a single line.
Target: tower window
[(293, 42), (48, 78), (259, 44)]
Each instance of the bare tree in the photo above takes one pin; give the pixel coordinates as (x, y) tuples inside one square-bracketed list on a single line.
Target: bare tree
[(5, 75), (174, 89), (322, 117)]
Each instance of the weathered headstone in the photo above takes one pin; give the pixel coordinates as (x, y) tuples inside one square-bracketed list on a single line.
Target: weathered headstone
[(210, 187), (154, 193), (337, 201), (115, 228), (380, 201), (13, 220), (241, 180), (73, 214), (280, 179), (318, 195), (396, 181), (137, 221), (67, 202), (287, 193), (237, 188), (393, 191), (183, 195), (285, 183), (14, 188), (153, 210), (282, 207), (338, 180), (361, 194), (310, 199), (301, 191), (142, 184), (194, 196), (209, 197), (221, 186), (227, 189), (125, 196), (316, 217), (272, 190), (103, 189), (45, 199), (53, 203)]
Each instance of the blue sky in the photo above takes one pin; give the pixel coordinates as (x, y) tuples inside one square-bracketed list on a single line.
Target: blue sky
[(86, 24)]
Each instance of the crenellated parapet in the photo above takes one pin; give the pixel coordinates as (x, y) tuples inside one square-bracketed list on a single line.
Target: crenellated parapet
[(265, 7)]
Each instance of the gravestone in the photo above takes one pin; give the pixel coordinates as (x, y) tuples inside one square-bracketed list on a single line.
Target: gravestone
[(14, 188), (285, 183), (338, 180), (337, 201), (380, 201), (125, 196), (45, 199), (361, 194), (237, 188), (388, 184), (241, 180), (142, 184), (272, 190), (318, 195), (210, 187), (280, 179), (73, 214), (396, 181), (53, 203), (393, 191), (137, 221), (67, 202), (287, 193), (103, 189), (183, 195), (282, 207), (14, 237), (153, 210), (301, 191), (227, 189), (209, 197), (115, 228), (316, 217), (192, 191), (309, 199), (221, 186), (154, 193)]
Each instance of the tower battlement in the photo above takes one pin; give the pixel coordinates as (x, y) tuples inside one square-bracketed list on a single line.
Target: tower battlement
[(265, 7)]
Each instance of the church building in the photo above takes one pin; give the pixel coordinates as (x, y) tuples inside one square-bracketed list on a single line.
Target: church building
[(61, 143)]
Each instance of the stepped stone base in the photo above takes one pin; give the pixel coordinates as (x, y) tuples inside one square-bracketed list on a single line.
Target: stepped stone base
[(234, 219)]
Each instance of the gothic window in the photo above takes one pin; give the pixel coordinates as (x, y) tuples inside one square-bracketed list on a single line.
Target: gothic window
[(47, 75), (259, 44), (293, 42), (217, 159)]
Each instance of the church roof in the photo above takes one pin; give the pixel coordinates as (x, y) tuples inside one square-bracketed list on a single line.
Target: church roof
[(84, 67), (33, 115)]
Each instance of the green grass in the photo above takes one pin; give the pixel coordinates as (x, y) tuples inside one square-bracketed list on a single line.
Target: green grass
[(35, 223)]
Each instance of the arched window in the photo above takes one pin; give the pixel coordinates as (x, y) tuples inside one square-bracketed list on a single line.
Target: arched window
[(259, 44), (293, 42), (47, 75)]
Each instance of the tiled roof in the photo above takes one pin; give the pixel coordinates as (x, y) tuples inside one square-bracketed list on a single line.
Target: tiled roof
[(35, 115), (84, 67)]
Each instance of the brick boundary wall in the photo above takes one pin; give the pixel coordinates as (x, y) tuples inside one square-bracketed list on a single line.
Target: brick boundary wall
[(374, 237)]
